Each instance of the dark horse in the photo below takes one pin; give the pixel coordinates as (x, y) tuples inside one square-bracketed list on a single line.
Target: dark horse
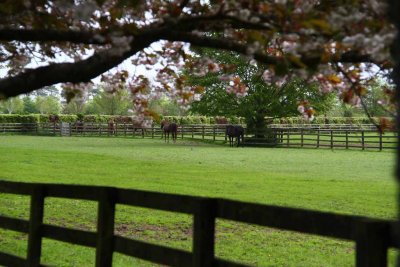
[(111, 127), (233, 131), (169, 128), (54, 119)]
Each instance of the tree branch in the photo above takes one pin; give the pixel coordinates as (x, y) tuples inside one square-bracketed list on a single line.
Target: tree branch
[(227, 44), (100, 62), (183, 4), (26, 35), (237, 23), (81, 71), (353, 86)]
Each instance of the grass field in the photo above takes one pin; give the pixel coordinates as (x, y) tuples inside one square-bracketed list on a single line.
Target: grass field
[(347, 182)]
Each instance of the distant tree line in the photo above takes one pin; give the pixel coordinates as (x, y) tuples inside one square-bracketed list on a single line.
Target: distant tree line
[(49, 100)]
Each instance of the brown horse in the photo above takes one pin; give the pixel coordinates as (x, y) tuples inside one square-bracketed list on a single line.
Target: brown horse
[(169, 128), (79, 126), (54, 118), (111, 127), (233, 131)]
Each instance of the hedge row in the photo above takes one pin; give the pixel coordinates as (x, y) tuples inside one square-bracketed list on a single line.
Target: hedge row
[(32, 118), (12, 118), (325, 120), (183, 120)]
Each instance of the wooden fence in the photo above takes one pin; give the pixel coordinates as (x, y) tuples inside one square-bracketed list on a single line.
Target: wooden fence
[(317, 136), (328, 138), (326, 126), (373, 237)]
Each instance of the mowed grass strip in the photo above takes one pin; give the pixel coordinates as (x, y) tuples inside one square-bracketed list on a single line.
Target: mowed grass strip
[(348, 182)]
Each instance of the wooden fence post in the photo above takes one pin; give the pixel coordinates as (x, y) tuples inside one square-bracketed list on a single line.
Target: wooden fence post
[(362, 140), (302, 137), (192, 131), (152, 131), (318, 136), (371, 243), (105, 227), (202, 131), (347, 139), (35, 223), (203, 233), (182, 130), (214, 133), (331, 139), (288, 137), (380, 141)]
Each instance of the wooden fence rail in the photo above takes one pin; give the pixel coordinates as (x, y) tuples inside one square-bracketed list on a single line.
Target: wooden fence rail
[(373, 237), (318, 136), (333, 126)]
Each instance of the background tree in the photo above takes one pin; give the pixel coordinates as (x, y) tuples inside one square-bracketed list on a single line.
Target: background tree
[(166, 107), (75, 106), (279, 101), (48, 104), (29, 106), (376, 100), (12, 105), (257, 100), (47, 91), (109, 103)]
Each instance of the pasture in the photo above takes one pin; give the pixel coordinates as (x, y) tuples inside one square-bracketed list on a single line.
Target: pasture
[(341, 181)]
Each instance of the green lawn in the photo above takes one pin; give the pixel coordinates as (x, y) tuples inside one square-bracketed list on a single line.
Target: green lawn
[(348, 182)]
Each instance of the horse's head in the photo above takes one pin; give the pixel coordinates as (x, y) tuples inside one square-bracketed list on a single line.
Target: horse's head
[(163, 124), (54, 118), (230, 130)]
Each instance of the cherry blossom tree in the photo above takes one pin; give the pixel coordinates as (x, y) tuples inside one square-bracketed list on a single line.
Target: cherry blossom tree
[(333, 42)]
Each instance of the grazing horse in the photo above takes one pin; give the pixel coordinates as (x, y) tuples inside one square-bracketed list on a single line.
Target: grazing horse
[(111, 127), (233, 131), (169, 128), (54, 118), (79, 126)]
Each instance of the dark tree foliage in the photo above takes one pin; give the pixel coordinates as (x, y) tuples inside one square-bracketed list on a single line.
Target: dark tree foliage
[(261, 101)]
